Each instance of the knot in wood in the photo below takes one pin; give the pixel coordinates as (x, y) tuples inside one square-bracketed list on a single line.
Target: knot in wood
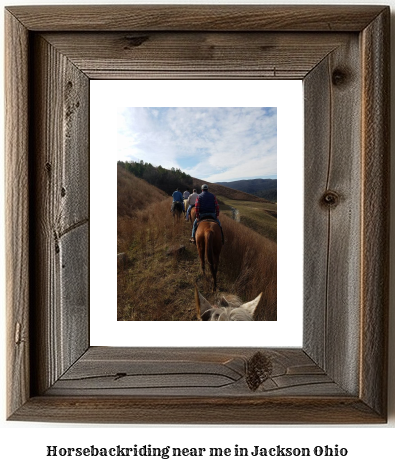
[(330, 198), (135, 41), (339, 77), (259, 369)]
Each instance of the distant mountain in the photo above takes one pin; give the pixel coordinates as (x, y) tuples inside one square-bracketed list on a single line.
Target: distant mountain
[(265, 188), (219, 189)]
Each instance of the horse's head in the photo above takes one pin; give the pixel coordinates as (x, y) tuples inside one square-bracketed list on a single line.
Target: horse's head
[(227, 310)]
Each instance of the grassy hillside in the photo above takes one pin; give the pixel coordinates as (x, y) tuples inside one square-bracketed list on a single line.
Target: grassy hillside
[(265, 188), (162, 178), (133, 195), (157, 278), (260, 217), (252, 211), (224, 191)]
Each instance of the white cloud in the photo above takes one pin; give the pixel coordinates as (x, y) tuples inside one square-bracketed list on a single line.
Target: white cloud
[(208, 143)]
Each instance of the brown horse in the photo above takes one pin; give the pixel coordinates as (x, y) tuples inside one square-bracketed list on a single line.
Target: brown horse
[(209, 244), (192, 215)]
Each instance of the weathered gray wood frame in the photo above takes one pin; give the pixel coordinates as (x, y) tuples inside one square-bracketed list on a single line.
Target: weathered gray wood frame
[(340, 374)]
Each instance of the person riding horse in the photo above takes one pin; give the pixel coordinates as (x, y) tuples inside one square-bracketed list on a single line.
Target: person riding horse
[(177, 199), (191, 202), (206, 206), (185, 196)]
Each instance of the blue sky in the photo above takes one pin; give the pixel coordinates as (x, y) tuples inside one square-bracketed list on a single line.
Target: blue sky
[(213, 144)]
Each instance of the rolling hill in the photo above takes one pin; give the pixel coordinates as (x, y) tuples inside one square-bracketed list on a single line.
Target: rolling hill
[(134, 193), (220, 189), (264, 188)]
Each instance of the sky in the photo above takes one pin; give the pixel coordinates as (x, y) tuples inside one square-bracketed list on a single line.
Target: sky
[(213, 144)]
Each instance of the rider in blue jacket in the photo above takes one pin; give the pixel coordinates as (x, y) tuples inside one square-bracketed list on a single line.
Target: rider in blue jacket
[(206, 206), (177, 197)]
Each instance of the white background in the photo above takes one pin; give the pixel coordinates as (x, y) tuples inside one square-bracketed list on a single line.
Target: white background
[(106, 98), (23, 445)]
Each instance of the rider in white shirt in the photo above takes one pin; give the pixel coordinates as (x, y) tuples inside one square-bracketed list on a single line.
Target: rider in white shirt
[(191, 202)]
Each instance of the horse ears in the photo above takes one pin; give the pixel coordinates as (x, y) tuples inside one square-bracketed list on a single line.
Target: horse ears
[(202, 304), (251, 306)]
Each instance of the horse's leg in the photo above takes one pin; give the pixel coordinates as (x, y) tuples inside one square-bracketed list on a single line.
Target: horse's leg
[(202, 261), (214, 274), (216, 258), (216, 246), (214, 269), (209, 236), (201, 250)]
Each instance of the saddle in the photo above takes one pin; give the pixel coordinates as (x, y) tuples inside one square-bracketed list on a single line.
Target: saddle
[(212, 219), (208, 216)]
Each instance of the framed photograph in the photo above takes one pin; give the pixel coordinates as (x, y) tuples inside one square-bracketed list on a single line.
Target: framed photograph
[(339, 374), (209, 151)]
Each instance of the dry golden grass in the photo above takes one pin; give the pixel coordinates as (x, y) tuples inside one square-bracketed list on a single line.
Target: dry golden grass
[(133, 195), (156, 285), (249, 262), (260, 217)]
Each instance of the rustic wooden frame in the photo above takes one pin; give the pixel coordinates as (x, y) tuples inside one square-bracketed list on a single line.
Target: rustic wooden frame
[(339, 376)]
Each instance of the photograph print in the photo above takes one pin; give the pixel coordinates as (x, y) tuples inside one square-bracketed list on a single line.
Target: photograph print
[(197, 214)]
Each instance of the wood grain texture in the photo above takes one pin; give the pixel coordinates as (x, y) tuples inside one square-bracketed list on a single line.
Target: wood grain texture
[(17, 213), (60, 213), (188, 372), (317, 115), (195, 55), (197, 410), (375, 211), (133, 385), (196, 17), (339, 376), (332, 209)]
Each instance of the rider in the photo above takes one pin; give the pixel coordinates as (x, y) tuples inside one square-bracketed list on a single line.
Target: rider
[(206, 206), (186, 194), (177, 197), (191, 202)]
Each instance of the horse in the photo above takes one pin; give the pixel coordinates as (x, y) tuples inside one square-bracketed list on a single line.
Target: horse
[(192, 215), (176, 208), (186, 205), (231, 309), (209, 244)]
